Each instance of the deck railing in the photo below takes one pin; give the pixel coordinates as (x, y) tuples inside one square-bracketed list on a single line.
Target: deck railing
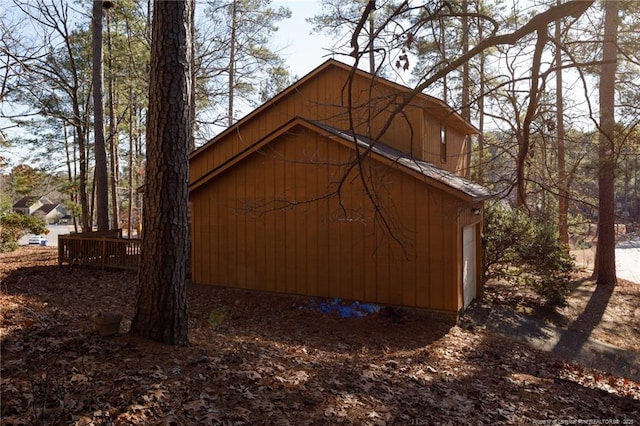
[(98, 250)]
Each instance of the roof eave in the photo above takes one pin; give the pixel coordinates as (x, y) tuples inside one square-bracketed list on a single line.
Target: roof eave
[(344, 139), (455, 116)]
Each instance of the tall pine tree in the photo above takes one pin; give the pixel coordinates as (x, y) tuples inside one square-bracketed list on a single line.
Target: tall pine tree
[(161, 308)]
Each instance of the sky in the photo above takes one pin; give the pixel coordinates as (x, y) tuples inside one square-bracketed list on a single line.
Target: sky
[(302, 50)]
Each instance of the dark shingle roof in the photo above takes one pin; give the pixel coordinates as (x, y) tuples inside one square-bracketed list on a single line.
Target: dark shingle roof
[(46, 208), (25, 202), (424, 168)]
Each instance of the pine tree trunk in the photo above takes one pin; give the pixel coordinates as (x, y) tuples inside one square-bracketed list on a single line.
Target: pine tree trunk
[(605, 266), (102, 189), (161, 309), (85, 217), (192, 73), (71, 174), (131, 183), (114, 164)]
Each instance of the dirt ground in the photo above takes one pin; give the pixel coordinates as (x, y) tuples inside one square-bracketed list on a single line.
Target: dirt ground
[(609, 315), (259, 358)]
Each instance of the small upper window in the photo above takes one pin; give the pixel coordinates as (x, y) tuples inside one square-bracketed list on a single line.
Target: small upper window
[(443, 143)]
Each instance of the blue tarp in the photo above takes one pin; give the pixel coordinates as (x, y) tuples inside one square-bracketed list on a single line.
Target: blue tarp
[(344, 310)]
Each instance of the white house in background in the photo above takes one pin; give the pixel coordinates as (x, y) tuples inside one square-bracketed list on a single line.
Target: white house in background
[(51, 213), (40, 206), (30, 204)]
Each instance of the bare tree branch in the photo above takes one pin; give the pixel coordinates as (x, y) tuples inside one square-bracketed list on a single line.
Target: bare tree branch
[(573, 8)]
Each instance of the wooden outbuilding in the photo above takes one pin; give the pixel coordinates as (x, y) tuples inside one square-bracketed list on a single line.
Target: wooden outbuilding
[(301, 196)]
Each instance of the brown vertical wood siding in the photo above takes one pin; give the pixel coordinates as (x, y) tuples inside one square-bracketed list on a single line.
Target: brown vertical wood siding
[(325, 98), (457, 159), (270, 223), (275, 217)]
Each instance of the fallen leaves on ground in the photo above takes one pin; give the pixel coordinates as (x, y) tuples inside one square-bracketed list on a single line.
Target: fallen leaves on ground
[(618, 324), (259, 358)]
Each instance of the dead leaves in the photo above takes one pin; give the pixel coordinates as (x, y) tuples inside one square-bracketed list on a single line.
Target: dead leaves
[(258, 359)]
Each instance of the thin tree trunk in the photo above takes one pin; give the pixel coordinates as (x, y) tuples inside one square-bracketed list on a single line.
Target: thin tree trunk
[(525, 138), (92, 207), (192, 73), (113, 136), (232, 60), (605, 266), (131, 165), (67, 152), (85, 217), (481, 160), (161, 308), (71, 175), (139, 198), (443, 53), (563, 228), (372, 60), (466, 85), (102, 189)]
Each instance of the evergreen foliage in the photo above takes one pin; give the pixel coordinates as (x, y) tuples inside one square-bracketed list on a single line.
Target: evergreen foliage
[(525, 249), (15, 225)]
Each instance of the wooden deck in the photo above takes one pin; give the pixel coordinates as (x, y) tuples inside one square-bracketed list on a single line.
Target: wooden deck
[(103, 250)]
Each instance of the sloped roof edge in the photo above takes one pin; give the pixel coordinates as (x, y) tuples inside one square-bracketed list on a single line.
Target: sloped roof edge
[(26, 201), (329, 63), (240, 155), (423, 168), (444, 179), (47, 208)]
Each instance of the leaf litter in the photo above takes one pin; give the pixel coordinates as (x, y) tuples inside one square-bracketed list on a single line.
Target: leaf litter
[(259, 358)]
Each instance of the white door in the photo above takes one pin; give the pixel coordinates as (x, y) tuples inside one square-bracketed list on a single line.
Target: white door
[(468, 264)]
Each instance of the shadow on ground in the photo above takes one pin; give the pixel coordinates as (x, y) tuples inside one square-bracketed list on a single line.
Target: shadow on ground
[(571, 341)]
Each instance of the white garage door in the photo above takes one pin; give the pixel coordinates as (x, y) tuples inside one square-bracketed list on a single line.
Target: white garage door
[(469, 264)]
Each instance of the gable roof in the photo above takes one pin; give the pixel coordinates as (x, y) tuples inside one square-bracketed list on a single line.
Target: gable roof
[(46, 208), (440, 109), (26, 202), (434, 176)]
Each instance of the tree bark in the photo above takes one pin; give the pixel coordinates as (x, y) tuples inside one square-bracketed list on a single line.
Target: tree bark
[(192, 72), (131, 165), (541, 21), (114, 164), (85, 217), (605, 265), (372, 59), (232, 61), (161, 309), (482, 83), (102, 189), (563, 227), (466, 82), (524, 140)]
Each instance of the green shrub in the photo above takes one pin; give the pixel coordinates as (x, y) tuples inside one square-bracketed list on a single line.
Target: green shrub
[(15, 225), (525, 249)]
